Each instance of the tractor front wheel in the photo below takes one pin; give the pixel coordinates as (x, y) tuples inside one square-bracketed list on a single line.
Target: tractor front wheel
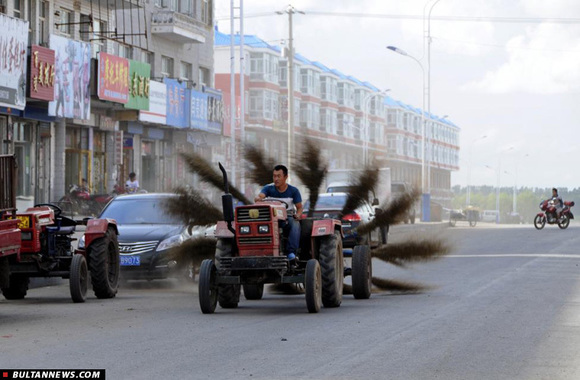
[(104, 265), (228, 295), (313, 286), (362, 272), (208, 291), (332, 268), (79, 278)]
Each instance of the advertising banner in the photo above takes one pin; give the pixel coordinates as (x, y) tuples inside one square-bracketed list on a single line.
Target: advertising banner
[(157, 112), (177, 103), (113, 78), (13, 47), (41, 73), (206, 112), (139, 85), (72, 97)]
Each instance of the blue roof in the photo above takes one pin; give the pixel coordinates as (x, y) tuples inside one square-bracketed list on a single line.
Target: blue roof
[(321, 67), (302, 59), (338, 73), (222, 39), (371, 86), (355, 80)]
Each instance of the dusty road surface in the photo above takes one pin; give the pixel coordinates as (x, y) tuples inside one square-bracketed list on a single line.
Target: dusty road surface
[(505, 304)]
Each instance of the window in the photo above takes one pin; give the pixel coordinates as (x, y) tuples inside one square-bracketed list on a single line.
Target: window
[(185, 71), (125, 51), (43, 22), (18, 8), (166, 66), (66, 18), (205, 77), (149, 57), (206, 10), (93, 32)]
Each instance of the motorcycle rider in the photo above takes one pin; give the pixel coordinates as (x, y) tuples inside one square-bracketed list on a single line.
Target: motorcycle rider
[(132, 185), (558, 203)]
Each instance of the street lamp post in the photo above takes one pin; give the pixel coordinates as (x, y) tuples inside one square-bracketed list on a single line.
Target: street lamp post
[(498, 173), (367, 124), (426, 197), (468, 197)]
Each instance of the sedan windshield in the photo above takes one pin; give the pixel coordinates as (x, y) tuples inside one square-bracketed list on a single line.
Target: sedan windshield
[(139, 211)]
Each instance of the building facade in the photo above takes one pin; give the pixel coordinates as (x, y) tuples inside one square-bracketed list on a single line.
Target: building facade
[(355, 122), (104, 90)]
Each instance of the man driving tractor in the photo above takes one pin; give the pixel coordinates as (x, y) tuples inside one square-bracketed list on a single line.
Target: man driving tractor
[(291, 195)]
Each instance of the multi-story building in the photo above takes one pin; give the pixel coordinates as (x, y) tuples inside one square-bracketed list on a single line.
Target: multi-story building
[(354, 120), (113, 87)]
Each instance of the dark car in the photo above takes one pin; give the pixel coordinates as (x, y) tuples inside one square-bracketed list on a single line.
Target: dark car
[(330, 205), (146, 233)]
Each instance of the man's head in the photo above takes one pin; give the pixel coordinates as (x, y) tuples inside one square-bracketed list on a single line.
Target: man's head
[(132, 176), (554, 192), (280, 175)]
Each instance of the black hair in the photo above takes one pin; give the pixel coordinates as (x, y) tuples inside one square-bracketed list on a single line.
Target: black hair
[(132, 174), (283, 168), (554, 189)]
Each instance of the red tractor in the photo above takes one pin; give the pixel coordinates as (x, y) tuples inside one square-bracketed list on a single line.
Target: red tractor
[(250, 252), (46, 250), (9, 232)]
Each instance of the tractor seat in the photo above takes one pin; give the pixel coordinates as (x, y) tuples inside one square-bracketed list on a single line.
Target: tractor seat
[(66, 230)]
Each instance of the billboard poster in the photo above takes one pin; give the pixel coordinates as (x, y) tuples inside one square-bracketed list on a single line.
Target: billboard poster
[(206, 112), (72, 97), (157, 112), (13, 62), (113, 84), (41, 73), (139, 85), (177, 103)]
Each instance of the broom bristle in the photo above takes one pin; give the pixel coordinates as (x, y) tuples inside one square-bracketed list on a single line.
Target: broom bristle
[(260, 170), (193, 251), (359, 189), (395, 212), (398, 286), (207, 173), (192, 208), (311, 170), (406, 252)]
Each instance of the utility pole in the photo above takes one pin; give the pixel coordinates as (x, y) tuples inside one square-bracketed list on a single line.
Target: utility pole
[(242, 97), (290, 11), (232, 95)]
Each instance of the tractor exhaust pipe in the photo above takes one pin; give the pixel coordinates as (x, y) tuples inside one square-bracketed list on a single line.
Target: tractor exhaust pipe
[(227, 201)]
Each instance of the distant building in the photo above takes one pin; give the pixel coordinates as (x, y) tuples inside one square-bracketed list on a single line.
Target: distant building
[(352, 118)]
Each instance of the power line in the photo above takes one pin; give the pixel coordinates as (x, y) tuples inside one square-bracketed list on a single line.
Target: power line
[(516, 20), (504, 46)]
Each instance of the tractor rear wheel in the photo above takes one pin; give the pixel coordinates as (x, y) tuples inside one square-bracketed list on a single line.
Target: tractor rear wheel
[(4, 272), (79, 278), (104, 264), (253, 291), (208, 291), (362, 272), (313, 286), (228, 295), (332, 268), (17, 288)]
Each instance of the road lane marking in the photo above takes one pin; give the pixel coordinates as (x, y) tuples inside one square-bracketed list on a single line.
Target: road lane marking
[(557, 255)]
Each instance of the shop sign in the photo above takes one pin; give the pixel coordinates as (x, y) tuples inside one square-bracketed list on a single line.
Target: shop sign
[(113, 78), (177, 103), (139, 85), (13, 47), (119, 145), (206, 112), (127, 142), (41, 73), (72, 97), (157, 112), (107, 123)]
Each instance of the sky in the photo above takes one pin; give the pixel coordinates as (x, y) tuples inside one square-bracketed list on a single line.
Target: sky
[(512, 87)]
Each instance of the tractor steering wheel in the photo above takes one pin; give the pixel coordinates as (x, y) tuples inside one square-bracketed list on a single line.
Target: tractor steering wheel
[(57, 210), (276, 200)]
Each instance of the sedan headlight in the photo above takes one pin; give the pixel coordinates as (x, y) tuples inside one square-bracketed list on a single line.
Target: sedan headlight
[(264, 229), (82, 242), (170, 242)]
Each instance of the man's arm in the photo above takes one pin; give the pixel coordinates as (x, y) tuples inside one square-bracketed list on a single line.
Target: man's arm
[(260, 197), (299, 208)]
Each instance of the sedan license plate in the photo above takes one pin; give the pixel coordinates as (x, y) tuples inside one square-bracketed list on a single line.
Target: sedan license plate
[(131, 260)]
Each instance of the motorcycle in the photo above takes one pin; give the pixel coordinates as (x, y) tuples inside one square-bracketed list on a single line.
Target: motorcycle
[(81, 202), (549, 215)]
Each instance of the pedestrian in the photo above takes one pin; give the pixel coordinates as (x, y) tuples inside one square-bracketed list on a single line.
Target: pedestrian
[(132, 185)]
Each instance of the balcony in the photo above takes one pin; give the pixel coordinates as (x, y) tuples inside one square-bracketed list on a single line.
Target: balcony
[(177, 27), (118, 5)]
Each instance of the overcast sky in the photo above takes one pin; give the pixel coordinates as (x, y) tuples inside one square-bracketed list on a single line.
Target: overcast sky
[(516, 83)]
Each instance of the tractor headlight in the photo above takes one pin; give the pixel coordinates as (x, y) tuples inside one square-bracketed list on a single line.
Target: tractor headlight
[(170, 242), (264, 229), (82, 242), (244, 230)]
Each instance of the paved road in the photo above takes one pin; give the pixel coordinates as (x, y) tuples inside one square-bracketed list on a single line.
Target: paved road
[(505, 305)]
